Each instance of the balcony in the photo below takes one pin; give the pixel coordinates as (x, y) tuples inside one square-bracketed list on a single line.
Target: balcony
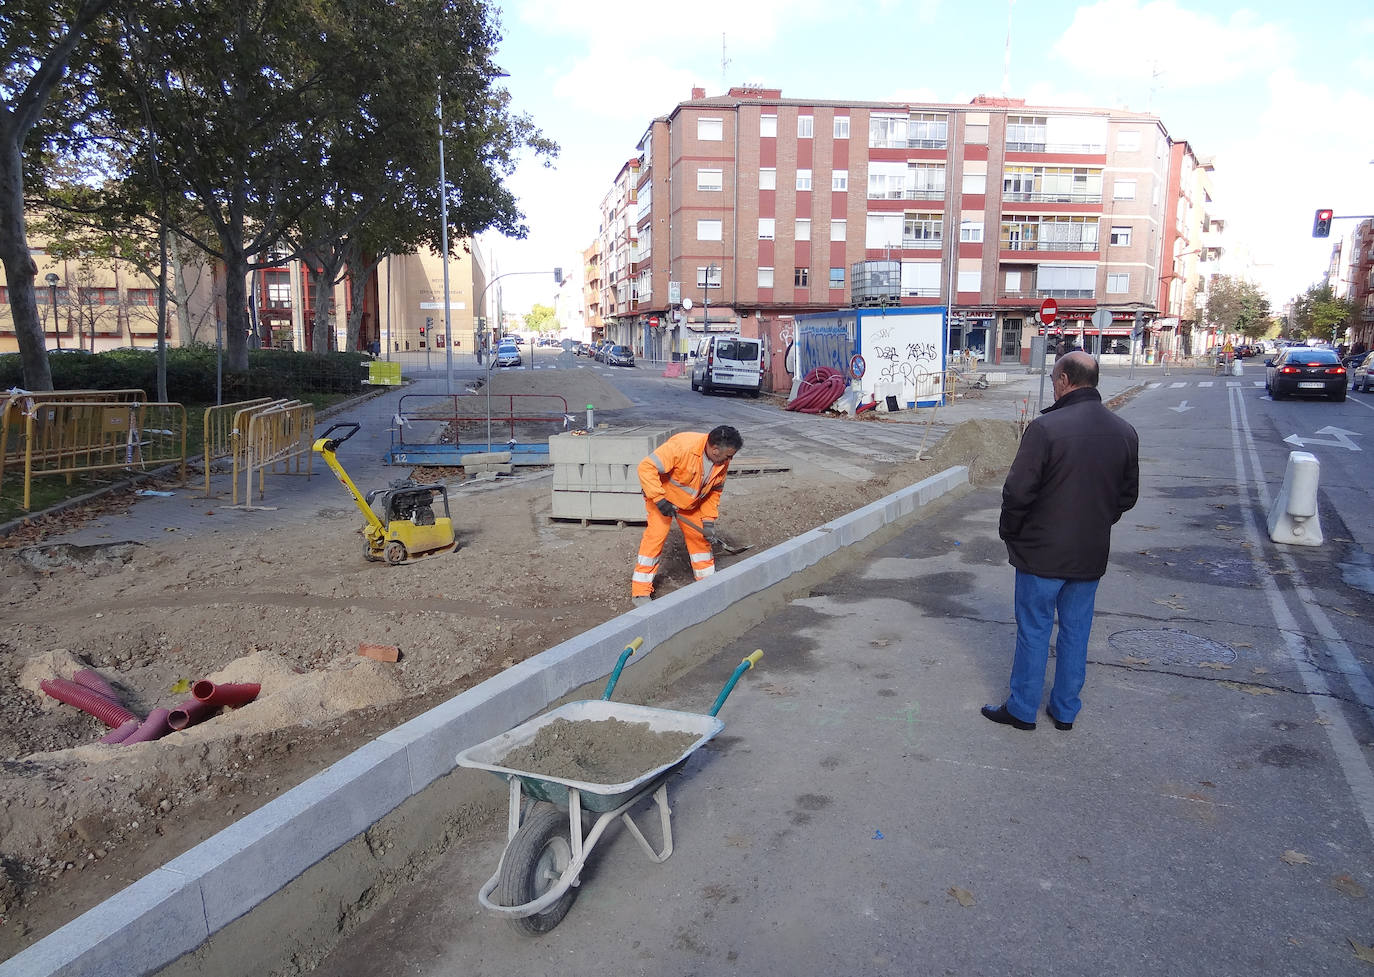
[(1009, 245), (1036, 294), (1088, 148), (922, 243), (890, 194), (922, 194), (1036, 197), (916, 143)]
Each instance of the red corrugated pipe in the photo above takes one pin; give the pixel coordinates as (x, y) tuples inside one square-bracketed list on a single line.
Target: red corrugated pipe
[(819, 389), (94, 681), (110, 713), (152, 728), (189, 713), (121, 734), (229, 694)]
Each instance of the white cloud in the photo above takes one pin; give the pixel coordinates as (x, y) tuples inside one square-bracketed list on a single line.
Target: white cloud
[(1185, 48)]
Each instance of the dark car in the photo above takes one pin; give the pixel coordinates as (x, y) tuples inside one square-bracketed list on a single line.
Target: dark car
[(620, 356), (1300, 371)]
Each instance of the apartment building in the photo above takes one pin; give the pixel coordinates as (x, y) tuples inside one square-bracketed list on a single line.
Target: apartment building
[(1361, 285), (752, 208)]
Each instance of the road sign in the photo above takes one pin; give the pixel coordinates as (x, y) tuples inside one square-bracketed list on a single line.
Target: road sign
[(674, 293), (1102, 319), (1048, 310)]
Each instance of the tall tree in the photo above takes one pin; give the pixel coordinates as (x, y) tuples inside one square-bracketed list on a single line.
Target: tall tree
[(540, 318), (1235, 305), (1319, 314), (38, 39)]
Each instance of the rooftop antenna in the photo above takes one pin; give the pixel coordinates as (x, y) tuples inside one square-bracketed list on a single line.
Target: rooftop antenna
[(1155, 72), (724, 64), (1006, 55)]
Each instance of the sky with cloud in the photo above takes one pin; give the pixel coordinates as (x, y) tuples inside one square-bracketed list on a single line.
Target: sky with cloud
[(1281, 95)]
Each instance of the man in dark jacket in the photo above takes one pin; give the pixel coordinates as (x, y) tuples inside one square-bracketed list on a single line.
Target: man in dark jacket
[(1076, 472)]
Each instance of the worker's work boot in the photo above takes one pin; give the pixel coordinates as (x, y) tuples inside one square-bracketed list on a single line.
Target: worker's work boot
[(640, 601)]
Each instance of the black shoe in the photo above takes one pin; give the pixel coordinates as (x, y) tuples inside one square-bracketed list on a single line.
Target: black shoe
[(1058, 723), (999, 714)]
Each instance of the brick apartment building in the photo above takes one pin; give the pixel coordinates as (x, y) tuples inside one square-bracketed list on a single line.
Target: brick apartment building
[(752, 208), (1361, 285)]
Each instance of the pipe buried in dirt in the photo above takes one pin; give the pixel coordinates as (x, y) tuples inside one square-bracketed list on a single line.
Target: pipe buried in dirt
[(189, 713), (153, 728), (110, 713), (122, 733), (96, 682), (229, 694)]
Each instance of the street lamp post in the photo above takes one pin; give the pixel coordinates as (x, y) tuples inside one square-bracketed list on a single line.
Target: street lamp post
[(52, 280)]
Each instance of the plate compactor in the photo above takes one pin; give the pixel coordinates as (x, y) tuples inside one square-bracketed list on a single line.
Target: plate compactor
[(401, 524)]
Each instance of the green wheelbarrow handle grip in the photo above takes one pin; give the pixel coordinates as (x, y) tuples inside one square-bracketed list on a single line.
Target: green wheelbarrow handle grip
[(740, 669)]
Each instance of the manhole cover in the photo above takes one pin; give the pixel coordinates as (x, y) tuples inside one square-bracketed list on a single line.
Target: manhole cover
[(1171, 646)]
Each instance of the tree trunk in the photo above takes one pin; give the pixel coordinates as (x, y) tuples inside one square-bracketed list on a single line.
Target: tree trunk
[(20, 269), (180, 295), (324, 322), (235, 309)]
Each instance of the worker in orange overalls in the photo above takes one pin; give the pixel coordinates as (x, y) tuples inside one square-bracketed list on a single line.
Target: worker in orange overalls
[(685, 474)]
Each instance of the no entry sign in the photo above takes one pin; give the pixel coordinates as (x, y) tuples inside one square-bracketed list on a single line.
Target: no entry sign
[(1049, 309)]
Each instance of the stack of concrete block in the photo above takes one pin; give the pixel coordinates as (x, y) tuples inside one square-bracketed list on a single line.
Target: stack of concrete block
[(595, 473), (485, 464)]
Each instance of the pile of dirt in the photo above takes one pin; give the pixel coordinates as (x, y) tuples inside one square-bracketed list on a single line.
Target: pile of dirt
[(288, 608)]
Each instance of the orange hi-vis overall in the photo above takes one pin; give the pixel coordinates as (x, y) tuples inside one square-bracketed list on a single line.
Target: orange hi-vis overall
[(674, 470)]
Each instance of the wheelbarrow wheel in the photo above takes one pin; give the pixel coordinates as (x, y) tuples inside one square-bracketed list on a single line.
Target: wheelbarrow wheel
[(534, 861)]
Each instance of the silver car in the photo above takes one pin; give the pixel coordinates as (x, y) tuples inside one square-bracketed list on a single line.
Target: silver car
[(508, 354)]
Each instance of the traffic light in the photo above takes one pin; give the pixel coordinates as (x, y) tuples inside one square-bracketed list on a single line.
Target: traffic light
[(558, 276), (1321, 224)]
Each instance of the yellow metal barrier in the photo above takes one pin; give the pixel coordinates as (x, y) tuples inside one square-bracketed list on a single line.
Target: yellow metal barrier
[(384, 373), (221, 429), (276, 435), (68, 437), (14, 406)]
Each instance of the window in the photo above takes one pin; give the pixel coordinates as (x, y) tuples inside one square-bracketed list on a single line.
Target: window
[(883, 231), (715, 277), (1121, 236), (1055, 233), (1026, 133), (97, 296), (803, 229), (278, 289), (800, 276), (1013, 282), (887, 131), (1123, 190), (805, 126), (886, 180), (708, 230), (710, 130), (710, 179), (768, 125), (838, 230), (971, 231), (976, 134), (925, 181), (922, 231), (921, 278), (1066, 281), (766, 228), (928, 130), (837, 278), (768, 179), (841, 127), (975, 183), (1118, 282), (971, 281), (803, 179), (839, 180), (142, 296), (765, 278), (1128, 141)]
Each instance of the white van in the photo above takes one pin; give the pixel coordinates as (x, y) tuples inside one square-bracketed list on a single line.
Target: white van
[(728, 362)]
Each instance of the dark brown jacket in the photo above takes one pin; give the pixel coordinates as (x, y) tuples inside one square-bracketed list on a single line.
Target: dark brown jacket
[(1076, 472)]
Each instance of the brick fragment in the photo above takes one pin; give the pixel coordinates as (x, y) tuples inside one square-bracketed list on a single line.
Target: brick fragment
[(381, 653)]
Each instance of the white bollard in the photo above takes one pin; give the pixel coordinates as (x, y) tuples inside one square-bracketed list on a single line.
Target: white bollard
[(1293, 517), (1237, 370)]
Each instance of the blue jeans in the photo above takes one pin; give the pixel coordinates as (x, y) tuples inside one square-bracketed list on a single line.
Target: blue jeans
[(1037, 599)]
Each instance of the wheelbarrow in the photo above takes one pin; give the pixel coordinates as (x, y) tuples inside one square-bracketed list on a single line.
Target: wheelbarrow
[(546, 845)]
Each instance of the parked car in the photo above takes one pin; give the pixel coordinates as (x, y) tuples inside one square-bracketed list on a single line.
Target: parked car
[(620, 356), (600, 353), (726, 362), (1299, 371), (508, 354), (1362, 376)]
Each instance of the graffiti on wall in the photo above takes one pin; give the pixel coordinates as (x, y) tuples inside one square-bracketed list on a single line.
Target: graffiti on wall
[(824, 341)]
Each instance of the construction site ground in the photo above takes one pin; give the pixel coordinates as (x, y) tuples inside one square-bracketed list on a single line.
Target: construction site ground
[(155, 591)]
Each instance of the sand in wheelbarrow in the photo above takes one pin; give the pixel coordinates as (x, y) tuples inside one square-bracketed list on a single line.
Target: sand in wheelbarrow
[(597, 751)]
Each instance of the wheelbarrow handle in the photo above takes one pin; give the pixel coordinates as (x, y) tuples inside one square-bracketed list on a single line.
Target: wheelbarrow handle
[(630, 649), (740, 669)]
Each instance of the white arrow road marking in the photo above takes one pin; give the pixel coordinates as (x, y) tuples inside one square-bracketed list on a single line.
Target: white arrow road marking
[(1341, 435), (1182, 406)]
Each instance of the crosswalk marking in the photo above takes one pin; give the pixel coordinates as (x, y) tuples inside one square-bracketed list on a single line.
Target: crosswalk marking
[(1204, 383), (1175, 386)]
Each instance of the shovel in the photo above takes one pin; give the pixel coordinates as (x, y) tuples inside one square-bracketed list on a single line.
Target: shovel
[(732, 550)]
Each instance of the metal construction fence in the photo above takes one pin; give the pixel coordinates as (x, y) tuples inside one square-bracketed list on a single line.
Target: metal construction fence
[(17, 404), (274, 436), (437, 429), (66, 437), (223, 427)]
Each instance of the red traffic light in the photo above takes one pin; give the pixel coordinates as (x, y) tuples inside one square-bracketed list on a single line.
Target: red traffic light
[(1321, 224)]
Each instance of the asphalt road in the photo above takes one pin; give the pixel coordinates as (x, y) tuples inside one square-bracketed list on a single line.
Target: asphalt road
[(1211, 812)]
